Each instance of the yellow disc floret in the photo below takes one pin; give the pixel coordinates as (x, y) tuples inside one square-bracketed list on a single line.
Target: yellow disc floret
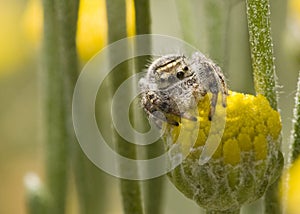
[(251, 124)]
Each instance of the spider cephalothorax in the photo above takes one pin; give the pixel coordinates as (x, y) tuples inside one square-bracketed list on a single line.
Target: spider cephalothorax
[(174, 85)]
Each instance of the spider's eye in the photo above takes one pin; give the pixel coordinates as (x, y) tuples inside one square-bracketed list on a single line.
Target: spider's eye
[(180, 75), (151, 96), (185, 68)]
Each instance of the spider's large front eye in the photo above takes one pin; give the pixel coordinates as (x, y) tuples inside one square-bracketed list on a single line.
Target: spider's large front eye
[(180, 75)]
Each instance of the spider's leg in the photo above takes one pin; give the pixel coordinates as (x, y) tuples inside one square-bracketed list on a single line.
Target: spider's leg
[(188, 116), (224, 100), (213, 104), (162, 117), (159, 119), (172, 108), (221, 83), (160, 110), (223, 86), (172, 122), (224, 89)]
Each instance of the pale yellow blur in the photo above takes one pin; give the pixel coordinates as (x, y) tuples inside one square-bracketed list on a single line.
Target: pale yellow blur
[(91, 25)]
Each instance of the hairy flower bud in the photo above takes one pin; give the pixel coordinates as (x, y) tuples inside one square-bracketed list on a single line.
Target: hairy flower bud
[(245, 163)]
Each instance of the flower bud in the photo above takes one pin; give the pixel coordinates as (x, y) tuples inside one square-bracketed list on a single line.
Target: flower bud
[(244, 163)]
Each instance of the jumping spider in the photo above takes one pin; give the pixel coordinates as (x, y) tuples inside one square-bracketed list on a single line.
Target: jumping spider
[(174, 85)]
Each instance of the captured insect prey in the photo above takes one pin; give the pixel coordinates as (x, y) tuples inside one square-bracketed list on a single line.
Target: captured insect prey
[(174, 84)]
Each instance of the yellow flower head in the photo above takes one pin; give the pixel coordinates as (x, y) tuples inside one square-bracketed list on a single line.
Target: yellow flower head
[(290, 191), (246, 161)]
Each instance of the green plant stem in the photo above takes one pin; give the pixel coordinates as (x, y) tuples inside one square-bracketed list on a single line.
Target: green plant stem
[(35, 204), (294, 150), (90, 183), (142, 17), (87, 176), (143, 26), (130, 189), (187, 20), (215, 16), (153, 188), (61, 71), (295, 136), (261, 46), (55, 123), (58, 73), (36, 197)]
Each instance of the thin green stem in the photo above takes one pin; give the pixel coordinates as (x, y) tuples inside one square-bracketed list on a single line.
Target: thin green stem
[(90, 184), (61, 71), (87, 176), (153, 188), (66, 26), (295, 136), (36, 197), (116, 18), (261, 46), (130, 190), (143, 16), (187, 20), (59, 64), (143, 26), (294, 150), (55, 123), (215, 16)]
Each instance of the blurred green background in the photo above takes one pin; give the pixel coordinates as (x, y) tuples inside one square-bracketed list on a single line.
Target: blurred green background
[(21, 132)]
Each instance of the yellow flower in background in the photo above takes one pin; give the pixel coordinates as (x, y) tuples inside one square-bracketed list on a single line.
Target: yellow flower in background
[(91, 25), (292, 190), (246, 162), (294, 6), (293, 24), (14, 50), (91, 28), (33, 22)]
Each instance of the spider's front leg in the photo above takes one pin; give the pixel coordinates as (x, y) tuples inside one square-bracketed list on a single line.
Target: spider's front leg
[(162, 108), (214, 81), (219, 86), (213, 101), (159, 108)]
